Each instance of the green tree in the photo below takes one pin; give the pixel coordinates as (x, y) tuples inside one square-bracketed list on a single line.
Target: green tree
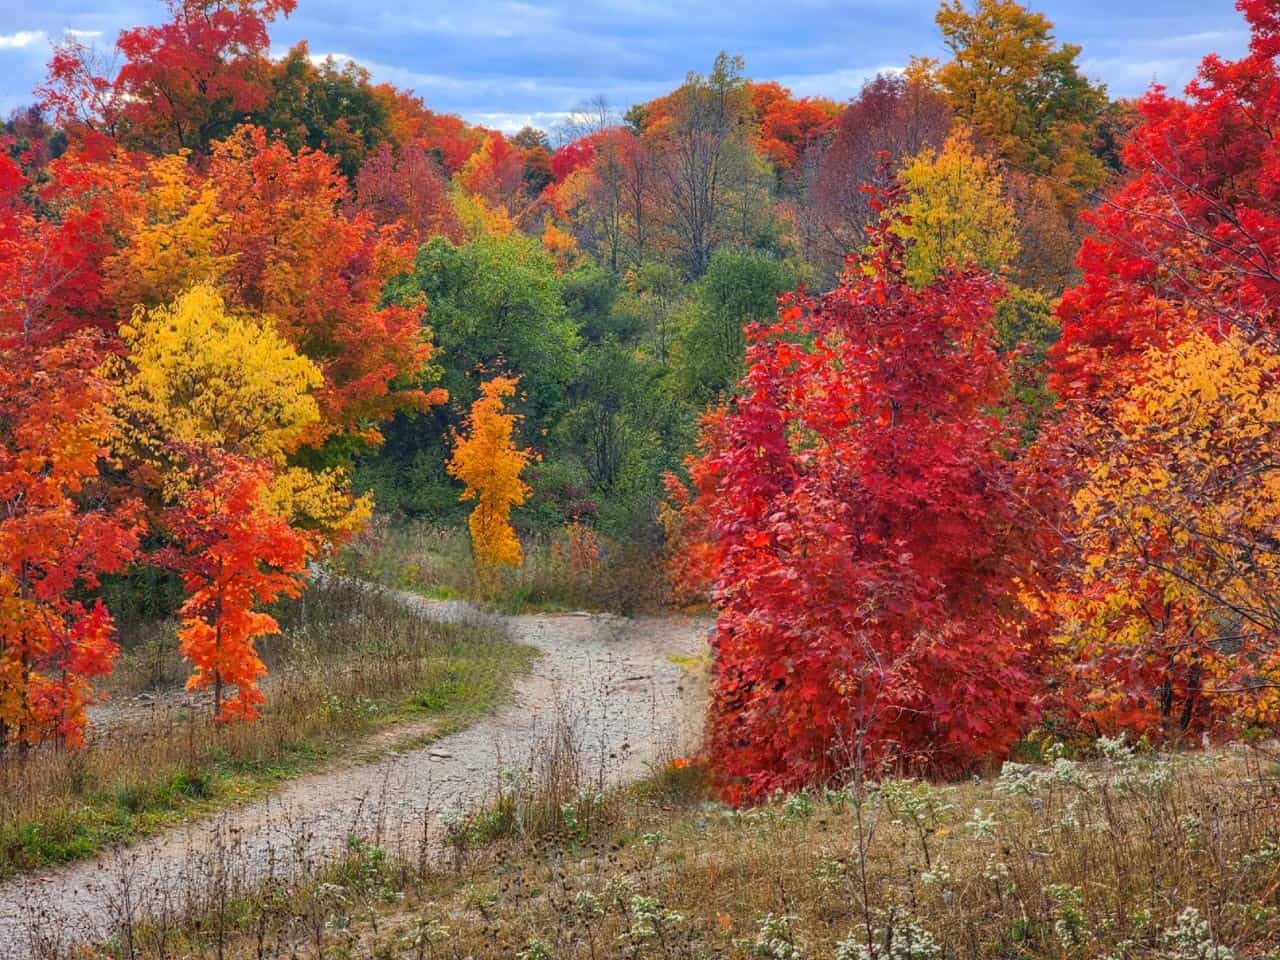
[(1022, 91), (646, 307), (590, 293), (496, 304), (625, 431), (330, 105), (1025, 330), (739, 288)]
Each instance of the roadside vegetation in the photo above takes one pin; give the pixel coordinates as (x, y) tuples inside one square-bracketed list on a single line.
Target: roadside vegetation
[(1125, 854), (571, 569), (349, 662)]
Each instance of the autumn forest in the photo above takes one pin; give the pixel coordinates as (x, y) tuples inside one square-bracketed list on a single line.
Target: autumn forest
[(953, 407)]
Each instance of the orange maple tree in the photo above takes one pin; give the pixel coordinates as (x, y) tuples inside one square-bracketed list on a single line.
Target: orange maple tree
[(319, 273), (234, 554), (60, 531)]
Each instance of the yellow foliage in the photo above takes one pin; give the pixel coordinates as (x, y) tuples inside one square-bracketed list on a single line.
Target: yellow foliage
[(173, 241), (1020, 89), (319, 500), (488, 462), (955, 212), (1177, 520), (479, 218), (200, 373), (562, 246)]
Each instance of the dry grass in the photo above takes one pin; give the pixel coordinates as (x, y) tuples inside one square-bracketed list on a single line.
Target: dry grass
[(349, 661), (435, 561), (1127, 857)]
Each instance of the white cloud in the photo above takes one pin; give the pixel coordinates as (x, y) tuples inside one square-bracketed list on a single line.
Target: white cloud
[(82, 34), (835, 84), (514, 122), (1129, 76), (21, 40)]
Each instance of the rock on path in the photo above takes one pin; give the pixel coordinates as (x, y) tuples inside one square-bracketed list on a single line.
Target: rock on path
[(609, 681)]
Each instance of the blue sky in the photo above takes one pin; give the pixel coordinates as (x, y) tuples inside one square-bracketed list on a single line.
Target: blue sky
[(505, 63)]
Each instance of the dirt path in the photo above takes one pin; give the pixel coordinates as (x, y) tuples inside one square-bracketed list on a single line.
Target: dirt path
[(612, 681)]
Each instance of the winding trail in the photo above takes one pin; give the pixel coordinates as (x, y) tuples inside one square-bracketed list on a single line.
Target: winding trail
[(611, 682)]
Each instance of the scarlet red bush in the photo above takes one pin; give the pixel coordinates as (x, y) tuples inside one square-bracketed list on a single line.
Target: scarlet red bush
[(868, 553)]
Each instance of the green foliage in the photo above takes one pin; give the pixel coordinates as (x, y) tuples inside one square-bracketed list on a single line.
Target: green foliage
[(590, 294), (1025, 323), (408, 475), (329, 106), (739, 288), (497, 304), (645, 307)]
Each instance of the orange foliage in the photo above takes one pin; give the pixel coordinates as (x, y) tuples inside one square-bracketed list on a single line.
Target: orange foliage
[(320, 274), (789, 125), (55, 540), (488, 462), (234, 554)]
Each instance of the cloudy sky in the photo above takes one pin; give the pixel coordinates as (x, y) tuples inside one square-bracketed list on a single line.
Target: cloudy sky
[(505, 63)]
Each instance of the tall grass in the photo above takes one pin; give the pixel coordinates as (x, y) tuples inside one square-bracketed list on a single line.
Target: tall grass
[(348, 661), (1128, 856), (435, 560)]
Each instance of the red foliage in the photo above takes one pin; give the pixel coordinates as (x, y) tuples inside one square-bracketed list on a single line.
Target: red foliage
[(451, 139), (60, 529), (182, 82), (573, 156), (1193, 236), (890, 119), (58, 534), (496, 172), (789, 126), (868, 554), (51, 282), (407, 190)]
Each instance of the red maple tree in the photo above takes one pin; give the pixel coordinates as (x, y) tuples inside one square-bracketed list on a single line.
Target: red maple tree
[(868, 552), (182, 83), (1192, 238)]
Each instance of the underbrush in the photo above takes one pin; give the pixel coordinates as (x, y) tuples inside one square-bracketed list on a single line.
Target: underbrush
[(571, 569), (348, 662), (1128, 856)]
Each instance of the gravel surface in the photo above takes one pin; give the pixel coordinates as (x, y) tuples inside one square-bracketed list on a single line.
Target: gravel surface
[(609, 680)]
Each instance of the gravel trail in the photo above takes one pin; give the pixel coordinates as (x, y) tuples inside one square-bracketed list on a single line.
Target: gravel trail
[(611, 681)]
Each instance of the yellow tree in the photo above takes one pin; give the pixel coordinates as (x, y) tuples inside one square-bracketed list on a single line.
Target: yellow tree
[(214, 401), (1021, 90), (1173, 621), (200, 374), (173, 241), (955, 211), (488, 462)]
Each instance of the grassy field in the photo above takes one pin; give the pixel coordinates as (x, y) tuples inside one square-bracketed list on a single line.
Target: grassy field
[(1127, 855), (349, 662), (435, 561)]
